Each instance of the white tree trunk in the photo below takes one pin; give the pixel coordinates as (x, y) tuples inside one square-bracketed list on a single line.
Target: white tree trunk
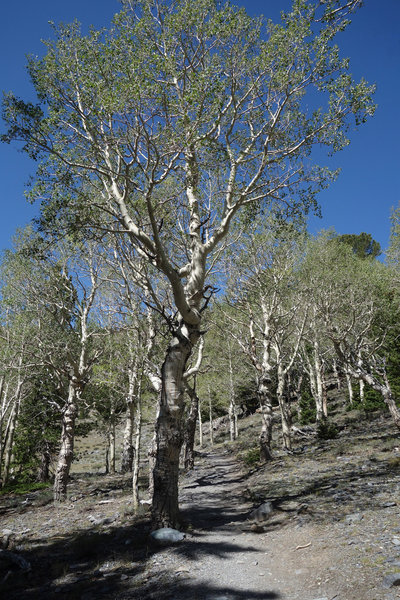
[(136, 462), (264, 396), (110, 468), (232, 401), (190, 430), (169, 428), (210, 417), (66, 453), (362, 391), (284, 406), (350, 389), (9, 447), (200, 427)]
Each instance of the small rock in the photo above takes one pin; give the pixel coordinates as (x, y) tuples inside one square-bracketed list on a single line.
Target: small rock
[(262, 512), (257, 528), (391, 580), (354, 518), (166, 536), (396, 541), (389, 504)]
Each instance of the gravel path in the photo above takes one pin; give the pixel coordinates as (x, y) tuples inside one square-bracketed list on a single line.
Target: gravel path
[(334, 533), (288, 558)]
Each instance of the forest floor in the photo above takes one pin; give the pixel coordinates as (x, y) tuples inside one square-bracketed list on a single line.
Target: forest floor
[(334, 533)]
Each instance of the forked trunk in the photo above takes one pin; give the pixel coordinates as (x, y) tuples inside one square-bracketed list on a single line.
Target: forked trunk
[(67, 446), (169, 429)]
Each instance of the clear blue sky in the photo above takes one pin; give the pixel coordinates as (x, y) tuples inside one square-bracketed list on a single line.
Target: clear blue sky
[(362, 197)]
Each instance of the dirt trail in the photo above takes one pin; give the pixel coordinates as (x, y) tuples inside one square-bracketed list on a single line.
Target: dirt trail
[(334, 534), (286, 559)]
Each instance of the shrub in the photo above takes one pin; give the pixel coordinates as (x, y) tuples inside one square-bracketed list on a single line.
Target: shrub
[(251, 456), (327, 431)]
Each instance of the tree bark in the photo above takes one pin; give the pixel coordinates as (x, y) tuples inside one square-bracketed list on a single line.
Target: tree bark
[(138, 439), (66, 453), (264, 395), (210, 415), (362, 391), (350, 389), (169, 428), (382, 388), (9, 447), (286, 417), (127, 454), (232, 403), (110, 467), (200, 427), (191, 427)]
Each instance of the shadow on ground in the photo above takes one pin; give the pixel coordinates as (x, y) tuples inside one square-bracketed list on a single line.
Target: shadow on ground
[(92, 565)]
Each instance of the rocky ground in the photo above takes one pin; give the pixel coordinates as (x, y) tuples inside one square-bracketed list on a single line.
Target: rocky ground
[(333, 533)]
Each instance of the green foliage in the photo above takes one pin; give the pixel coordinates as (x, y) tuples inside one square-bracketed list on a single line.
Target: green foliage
[(22, 487), (246, 396), (373, 400), (38, 429), (307, 407), (251, 456), (327, 430), (363, 245)]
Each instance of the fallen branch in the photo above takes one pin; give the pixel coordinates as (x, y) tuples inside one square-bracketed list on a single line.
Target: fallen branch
[(305, 546)]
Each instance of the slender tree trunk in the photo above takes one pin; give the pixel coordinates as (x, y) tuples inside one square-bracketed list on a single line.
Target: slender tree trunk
[(138, 439), (298, 397), (200, 427), (127, 453), (324, 398), (336, 375), (319, 400), (66, 453), (169, 428), (111, 446), (210, 414), (232, 404), (8, 452), (362, 391), (110, 468), (190, 431), (350, 389), (286, 418), (264, 395), (3, 411)]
